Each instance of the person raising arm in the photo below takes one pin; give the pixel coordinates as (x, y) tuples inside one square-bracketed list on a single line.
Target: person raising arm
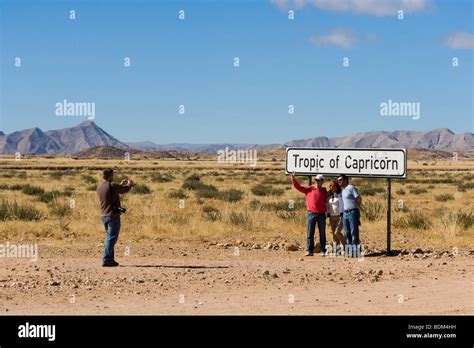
[(316, 206)]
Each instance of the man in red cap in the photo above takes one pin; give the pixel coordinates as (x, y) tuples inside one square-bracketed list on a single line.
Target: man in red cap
[(316, 205)]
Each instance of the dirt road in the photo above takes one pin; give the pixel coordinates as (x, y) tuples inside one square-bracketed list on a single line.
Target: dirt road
[(197, 278)]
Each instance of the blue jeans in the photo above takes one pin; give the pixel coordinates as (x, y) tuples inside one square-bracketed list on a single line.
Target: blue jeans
[(313, 219), (351, 220), (112, 230)]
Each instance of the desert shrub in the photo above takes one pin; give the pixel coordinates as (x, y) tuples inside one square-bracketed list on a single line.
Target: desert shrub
[(21, 175), (279, 206), (266, 190), (193, 182), (59, 208), (444, 197), (158, 177), (371, 190), (285, 214), (193, 177), (59, 174), (417, 190), (141, 189), (68, 191), (56, 175), (463, 187), (89, 179), (465, 219), (207, 191), (17, 187), (415, 220), (32, 190), (255, 204), (231, 195), (12, 210), (177, 194), (4, 187), (211, 213), (92, 187), (239, 218), (179, 219), (446, 180), (371, 210), (48, 197), (400, 192), (276, 181)]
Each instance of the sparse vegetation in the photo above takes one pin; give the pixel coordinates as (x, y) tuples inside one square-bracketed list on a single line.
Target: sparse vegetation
[(231, 195), (242, 218), (89, 179), (221, 204), (416, 220), (418, 190), (400, 192), (141, 189), (465, 219), (159, 177), (444, 197), (177, 194), (372, 211), (59, 207), (266, 190), (211, 213), (12, 210), (32, 190), (371, 190)]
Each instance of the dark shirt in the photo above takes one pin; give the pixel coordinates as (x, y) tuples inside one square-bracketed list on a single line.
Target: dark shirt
[(110, 201)]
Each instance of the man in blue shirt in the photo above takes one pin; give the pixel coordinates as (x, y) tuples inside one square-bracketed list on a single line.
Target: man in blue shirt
[(351, 218)]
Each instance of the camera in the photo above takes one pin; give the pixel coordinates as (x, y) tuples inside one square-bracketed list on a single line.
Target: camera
[(119, 209)]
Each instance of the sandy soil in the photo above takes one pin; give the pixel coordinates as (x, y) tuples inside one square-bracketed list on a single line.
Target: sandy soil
[(171, 278)]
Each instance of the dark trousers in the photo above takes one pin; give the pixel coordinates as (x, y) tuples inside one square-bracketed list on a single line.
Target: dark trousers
[(320, 220)]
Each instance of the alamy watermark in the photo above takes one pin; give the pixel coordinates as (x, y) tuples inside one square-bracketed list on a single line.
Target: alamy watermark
[(67, 108), (29, 251), (237, 156), (401, 109), (348, 250)]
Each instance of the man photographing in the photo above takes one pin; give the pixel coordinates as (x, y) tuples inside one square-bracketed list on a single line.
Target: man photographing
[(110, 211)]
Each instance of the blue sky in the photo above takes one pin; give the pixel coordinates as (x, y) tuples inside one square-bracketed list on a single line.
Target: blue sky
[(282, 62)]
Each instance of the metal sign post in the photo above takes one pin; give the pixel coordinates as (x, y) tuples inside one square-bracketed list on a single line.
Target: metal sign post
[(389, 213)]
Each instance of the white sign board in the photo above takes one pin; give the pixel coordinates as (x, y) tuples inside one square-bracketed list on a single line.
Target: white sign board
[(383, 163)]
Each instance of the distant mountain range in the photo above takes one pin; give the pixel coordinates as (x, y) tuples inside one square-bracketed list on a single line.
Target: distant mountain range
[(437, 139), (88, 135), (63, 141)]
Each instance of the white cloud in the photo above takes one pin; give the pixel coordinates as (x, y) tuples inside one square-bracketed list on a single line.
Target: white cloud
[(369, 7), (459, 39), (337, 37)]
